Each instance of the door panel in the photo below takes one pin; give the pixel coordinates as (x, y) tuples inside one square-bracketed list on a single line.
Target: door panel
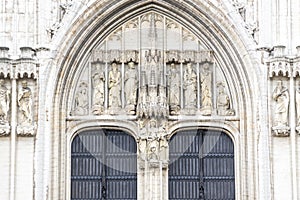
[(201, 166), (103, 166)]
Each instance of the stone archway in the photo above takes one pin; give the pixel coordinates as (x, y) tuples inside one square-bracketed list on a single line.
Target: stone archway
[(208, 71)]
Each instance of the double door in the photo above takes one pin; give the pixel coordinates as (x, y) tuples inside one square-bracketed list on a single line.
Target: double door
[(103, 166), (201, 166)]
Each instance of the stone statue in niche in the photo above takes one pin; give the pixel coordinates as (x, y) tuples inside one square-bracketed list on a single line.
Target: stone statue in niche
[(4, 108), (4, 102), (98, 81), (281, 100), (190, 87), (162, 101), (81, 100), (206, 94), (26, 126), (142, 109), (114, 101), (131, 82), (153, 100), (163, 143), (223, 101), (153, 144), (142, 143), (25, 104), (174, 90)]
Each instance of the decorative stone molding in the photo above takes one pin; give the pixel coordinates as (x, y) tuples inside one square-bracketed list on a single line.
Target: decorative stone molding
[(280, 67)]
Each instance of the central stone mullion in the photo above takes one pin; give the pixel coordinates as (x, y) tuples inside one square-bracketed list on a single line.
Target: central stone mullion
[(152, 158)]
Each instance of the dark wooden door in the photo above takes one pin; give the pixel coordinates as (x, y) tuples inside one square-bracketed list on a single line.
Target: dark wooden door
[(103, 166), (201, 166)]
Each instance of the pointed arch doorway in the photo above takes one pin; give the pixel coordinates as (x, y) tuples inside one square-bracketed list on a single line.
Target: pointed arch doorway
[(201, 165), (103, 165)]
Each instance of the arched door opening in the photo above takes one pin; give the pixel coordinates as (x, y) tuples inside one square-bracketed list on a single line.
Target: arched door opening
[(103, 165), (201, 165)]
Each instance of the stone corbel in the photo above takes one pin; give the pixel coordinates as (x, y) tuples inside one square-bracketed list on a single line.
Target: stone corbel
[(281, 131)]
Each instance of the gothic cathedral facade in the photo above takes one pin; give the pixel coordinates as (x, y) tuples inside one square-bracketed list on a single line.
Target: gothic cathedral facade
[(148, 100)]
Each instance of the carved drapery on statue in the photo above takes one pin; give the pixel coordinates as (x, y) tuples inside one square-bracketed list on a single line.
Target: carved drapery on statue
[(26, 125), (279, 71), (5, 98)]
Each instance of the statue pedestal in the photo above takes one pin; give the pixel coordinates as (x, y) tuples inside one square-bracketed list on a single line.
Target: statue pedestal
[(98, 109), (26, 130), (4, 129), (130, 109), (281, 131), (206, 111)]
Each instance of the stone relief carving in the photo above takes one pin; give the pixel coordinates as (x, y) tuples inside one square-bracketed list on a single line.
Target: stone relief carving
[(155, 80), (190, 88), (114, 87), (81, 100), (25, 104), (131, 84), (281, 109), (153, 143), (4, 108), (98, 81), (223, 101), (174, 89), (206, 93), (25, 99)]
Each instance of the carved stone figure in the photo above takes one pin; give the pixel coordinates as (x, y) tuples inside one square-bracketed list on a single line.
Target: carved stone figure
[(153, 144), (281, 98), (162, 101), (153, 100), (81, 100), (174, 89), (190, 86), (142, 109), (98, 92), (131, 87), (163, 143), (223, 101), (114, 87), (206, 94), (4, 102), (25, 104)]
